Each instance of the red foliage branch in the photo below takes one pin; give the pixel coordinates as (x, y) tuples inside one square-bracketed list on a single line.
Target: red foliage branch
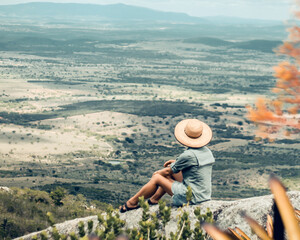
[(282, 112)]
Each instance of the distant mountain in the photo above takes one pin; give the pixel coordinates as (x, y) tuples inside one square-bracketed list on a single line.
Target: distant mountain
[(258, 45), (210, 41), (92, 11), (227, 20)]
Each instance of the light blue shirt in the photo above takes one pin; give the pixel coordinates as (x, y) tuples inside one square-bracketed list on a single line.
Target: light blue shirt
[(196, 166)]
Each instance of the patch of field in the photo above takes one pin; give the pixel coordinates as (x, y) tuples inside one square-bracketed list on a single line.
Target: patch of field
[(23, 143), (225, 146), (31, 182)]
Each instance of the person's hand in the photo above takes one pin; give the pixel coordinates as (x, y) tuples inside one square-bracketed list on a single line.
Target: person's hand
[(167, 163), (158, 172), (164, 172)]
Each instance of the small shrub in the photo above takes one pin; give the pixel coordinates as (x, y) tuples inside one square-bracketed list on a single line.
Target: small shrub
[(81, 229), (189, 194), (58, 195), (73, 236), (44, 235), (35, 237), (149, 223), (55, 234), (90, 225), (63, 237), (112, 225), (50, 218), (202, 218), (164, 212)]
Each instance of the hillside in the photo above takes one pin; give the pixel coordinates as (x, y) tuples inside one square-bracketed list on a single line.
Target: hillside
[(117, 12), (25, 210), (92, 11), (44, 44), (257, 44)]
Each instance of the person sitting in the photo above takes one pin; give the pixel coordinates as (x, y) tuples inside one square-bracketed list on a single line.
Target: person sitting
[(191, 168)]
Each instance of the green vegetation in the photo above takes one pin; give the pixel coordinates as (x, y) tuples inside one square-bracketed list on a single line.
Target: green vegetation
[(260, 45), (151, 226), (25, 210), (58, 195), (140, 108)]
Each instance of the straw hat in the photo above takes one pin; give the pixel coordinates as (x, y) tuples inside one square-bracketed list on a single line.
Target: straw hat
[(193, 133)]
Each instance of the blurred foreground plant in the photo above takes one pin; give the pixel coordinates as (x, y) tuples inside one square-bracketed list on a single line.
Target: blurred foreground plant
[(151, 226), (282, 112), (285, 218)]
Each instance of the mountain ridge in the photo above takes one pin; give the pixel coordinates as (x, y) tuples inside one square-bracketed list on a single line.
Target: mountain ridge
[(117, 11), (254, 44)]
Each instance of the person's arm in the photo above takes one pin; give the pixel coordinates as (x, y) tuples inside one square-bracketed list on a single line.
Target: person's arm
[(185, 160), (164, 172)]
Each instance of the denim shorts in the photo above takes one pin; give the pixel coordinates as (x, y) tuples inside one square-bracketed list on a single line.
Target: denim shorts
[(179, 193)]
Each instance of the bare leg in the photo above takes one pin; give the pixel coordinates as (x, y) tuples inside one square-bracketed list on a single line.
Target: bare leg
[(158, 195), (151, 187), (160, 191)]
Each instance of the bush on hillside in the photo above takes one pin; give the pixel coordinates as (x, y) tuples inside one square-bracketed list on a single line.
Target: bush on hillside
[(26, 210)]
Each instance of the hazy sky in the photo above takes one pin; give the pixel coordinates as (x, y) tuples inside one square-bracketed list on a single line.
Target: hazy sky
[(261, 9)]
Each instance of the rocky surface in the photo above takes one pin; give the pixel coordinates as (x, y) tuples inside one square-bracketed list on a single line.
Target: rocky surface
[(226, 214), (5, 189)]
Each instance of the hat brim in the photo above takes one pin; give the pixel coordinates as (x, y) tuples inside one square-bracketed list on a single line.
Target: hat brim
[(201, 141)]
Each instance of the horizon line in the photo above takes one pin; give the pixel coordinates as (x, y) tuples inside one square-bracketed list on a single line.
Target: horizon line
[(120, 3)]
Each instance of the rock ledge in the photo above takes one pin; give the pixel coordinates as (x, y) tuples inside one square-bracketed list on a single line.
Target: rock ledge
[(226, 214)]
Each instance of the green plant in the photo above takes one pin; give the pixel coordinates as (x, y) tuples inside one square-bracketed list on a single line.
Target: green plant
[(151, 226), (44, 235), (55, 234), (183, 228), (145, 206), (202, 218), (90, 224), (149, 223), (164, 213), (35, 237), (189, 195), (63, 237), (50, 218), (4, 228), (58, 195), (111, 225), (81, 230), (133, 234), (17, 204), (73, 236)]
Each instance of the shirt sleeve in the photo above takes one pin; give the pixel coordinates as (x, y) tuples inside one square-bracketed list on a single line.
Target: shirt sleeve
[(184, 160)]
